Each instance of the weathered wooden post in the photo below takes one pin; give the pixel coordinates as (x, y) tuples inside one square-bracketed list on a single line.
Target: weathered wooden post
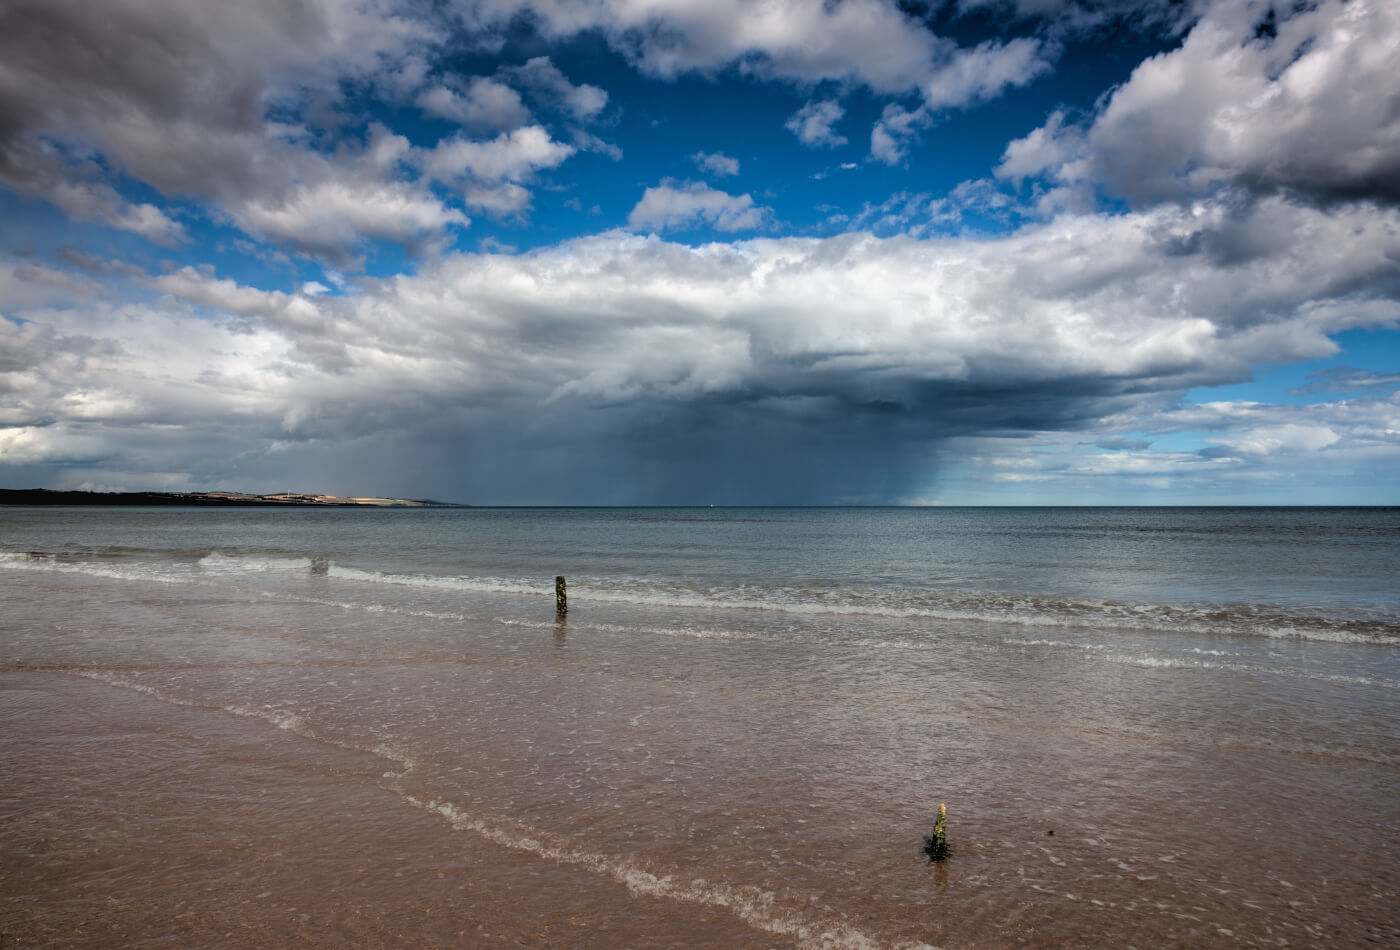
[(561, 596), (936, 845)]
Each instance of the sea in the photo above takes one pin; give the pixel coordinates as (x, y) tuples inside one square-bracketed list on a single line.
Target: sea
[(326, 727)]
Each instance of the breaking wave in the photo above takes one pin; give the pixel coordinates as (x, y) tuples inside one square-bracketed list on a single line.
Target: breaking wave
[(1028, 611), (1276, 621)]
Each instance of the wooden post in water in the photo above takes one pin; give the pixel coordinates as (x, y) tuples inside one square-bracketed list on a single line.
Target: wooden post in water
[(561, 596), (936, 845)]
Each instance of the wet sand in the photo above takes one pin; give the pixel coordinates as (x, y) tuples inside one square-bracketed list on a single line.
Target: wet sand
[(125, 821), (282, 758)]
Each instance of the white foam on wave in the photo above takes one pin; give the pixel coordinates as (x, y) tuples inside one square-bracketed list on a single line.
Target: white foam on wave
[(1100, 651), (696, 633), (784, 638), (113, 678), (1162, 662), (280, 718), (405, 760), (493, 585), (373, 608), (1056, 643), (754, 906), (1104, 652), (93, 568), (1295, 631), (217, 562), (903, 603)]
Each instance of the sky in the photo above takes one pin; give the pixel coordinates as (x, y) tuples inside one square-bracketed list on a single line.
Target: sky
[(617, 252)]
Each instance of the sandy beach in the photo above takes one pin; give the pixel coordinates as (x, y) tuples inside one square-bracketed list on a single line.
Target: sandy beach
[(250, 749), (132, 823)]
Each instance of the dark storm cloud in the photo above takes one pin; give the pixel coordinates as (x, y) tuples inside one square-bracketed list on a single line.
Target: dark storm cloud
[(673, 454), (175, 94), (624, 368), (110, 72), (184, 97)]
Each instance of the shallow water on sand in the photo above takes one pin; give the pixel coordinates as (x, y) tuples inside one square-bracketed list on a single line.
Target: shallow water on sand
[(352, 728)]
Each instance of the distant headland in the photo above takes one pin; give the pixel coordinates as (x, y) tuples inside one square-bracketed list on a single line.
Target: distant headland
[(224, 499)]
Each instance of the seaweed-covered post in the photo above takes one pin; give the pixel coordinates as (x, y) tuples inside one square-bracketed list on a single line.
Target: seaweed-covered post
[(561, 596), (936, 846)]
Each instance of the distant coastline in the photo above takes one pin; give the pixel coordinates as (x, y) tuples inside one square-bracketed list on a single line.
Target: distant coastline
[(207, 499)]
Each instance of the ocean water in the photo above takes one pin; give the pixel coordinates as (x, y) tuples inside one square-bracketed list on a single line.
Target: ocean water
[(254, 727)]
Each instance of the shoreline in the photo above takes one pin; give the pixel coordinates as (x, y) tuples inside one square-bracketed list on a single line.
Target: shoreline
[(47, 497)]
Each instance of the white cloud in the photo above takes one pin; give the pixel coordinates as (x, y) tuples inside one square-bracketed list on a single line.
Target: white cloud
[(482, 105), (970, 76), (588, 142), (178, 99), (1086, 324), (233, 107), (583, 102), (95, 201), (328, 217), (1087, 307), (869, 42), (502, 199), (1294, 438), (981, 195), (1314, 112), (900, 213), (679, 205), (896, 129), (716, 163), (327, 205), (1253, 453), (511, 156), (73, 187), (295, 312), (27, 284), (1047, 148), (812, 124)]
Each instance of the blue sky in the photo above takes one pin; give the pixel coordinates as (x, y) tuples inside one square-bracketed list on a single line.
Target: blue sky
[(649, 252)]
